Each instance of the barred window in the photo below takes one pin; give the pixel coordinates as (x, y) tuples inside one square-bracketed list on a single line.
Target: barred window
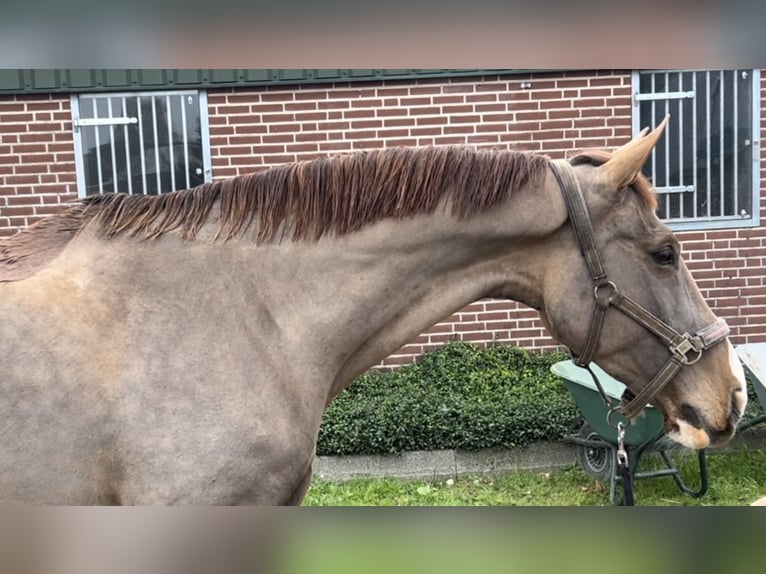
[(141, 143), (706, 167)]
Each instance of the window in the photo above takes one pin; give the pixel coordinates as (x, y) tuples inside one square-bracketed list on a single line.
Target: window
[(140, 143), (706, 167)]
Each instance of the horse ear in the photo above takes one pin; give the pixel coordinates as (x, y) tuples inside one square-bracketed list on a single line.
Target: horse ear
[(626, 162)]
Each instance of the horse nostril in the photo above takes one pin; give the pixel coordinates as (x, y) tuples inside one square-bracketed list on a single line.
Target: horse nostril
[(690, 415)]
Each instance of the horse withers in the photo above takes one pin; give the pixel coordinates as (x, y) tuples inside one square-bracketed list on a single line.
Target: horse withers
[(181, 349)]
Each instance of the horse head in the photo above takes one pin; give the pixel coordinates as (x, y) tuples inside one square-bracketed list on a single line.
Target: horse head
[(617, 291)]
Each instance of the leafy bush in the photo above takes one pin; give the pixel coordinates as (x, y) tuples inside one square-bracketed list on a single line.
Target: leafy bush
[(460, 396)]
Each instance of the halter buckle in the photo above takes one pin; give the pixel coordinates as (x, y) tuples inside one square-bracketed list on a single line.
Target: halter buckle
[(686, 345)]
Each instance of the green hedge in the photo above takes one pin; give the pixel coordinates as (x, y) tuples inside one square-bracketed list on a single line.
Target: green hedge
[(460, 396)]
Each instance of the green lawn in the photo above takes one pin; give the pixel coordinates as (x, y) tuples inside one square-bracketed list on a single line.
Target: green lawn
[(735, 479)]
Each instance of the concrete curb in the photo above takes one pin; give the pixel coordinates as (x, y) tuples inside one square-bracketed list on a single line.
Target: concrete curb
[(444, 464)]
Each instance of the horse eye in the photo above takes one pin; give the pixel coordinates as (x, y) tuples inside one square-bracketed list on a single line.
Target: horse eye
[(665, 257)]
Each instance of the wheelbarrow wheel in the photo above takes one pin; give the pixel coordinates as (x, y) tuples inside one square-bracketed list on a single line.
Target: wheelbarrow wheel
[(594, 460)]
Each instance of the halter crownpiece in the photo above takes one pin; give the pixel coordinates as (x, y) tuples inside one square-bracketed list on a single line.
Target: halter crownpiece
[(684, 348)]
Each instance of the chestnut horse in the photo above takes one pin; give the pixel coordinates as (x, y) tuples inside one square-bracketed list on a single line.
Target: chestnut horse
[(181, 349)]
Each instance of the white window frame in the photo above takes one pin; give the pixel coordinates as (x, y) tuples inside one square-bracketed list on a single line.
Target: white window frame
[(703, 222), (79, 122)]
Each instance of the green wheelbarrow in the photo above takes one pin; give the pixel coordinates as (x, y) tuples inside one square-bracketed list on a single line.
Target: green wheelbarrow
[(597, 439)]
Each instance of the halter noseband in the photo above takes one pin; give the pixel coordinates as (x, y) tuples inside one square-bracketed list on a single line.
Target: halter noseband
[(685, 349)]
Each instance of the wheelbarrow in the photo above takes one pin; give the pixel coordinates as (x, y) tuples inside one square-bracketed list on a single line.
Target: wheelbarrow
[(753, 359), (597, 439)]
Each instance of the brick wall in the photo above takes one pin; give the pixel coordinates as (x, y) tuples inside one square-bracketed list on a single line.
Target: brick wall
[(253, 129), (37, 163)]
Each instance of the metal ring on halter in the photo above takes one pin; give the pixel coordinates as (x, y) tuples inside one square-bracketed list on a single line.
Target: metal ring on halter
[(597, 289)]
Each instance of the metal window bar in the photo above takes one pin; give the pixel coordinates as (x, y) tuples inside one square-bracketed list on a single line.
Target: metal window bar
[(667, 141), (654, 151), (185, 138), (126, 138), (735, 91), (681, 202), (112, 146), (695, 183), (722, 143), (141, 143), (708, 187), (156, 145), (98, 149), (171, 154)]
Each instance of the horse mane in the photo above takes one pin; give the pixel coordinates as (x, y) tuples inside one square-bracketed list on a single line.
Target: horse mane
[(37, 245), (336, 195)]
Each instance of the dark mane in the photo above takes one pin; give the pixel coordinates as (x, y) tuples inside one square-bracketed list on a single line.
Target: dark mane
[(327, 196), (303, 200)]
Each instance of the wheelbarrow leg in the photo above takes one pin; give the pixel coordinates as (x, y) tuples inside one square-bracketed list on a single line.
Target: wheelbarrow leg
[(702, 461)]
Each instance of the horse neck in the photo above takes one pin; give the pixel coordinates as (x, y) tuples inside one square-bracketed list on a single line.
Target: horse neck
[(376, 289)]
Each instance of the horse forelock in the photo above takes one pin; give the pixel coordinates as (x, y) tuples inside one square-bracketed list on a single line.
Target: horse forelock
[(641, 185)]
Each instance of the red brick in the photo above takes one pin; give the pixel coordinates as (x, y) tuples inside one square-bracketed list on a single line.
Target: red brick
[(363, 134), (449, 140), (458, 89), (458, 129), (442, 100), (484, 108), (367, 144), (464, 119), (16, 117), (390, 92), (458, 109), (251, 129), (38, 158), (288, 96), (358, 114), (366, 124), (11, 106), (366, 103), (334, 146), (333, 105), (431, 121)]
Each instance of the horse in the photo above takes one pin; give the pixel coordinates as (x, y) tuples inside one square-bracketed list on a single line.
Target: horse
[(180, 349)]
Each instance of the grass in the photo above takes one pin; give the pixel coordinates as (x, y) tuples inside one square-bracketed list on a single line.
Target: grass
[(735, 479)]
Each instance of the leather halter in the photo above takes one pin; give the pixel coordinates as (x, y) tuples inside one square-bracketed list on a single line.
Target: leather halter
[(685, 349)]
